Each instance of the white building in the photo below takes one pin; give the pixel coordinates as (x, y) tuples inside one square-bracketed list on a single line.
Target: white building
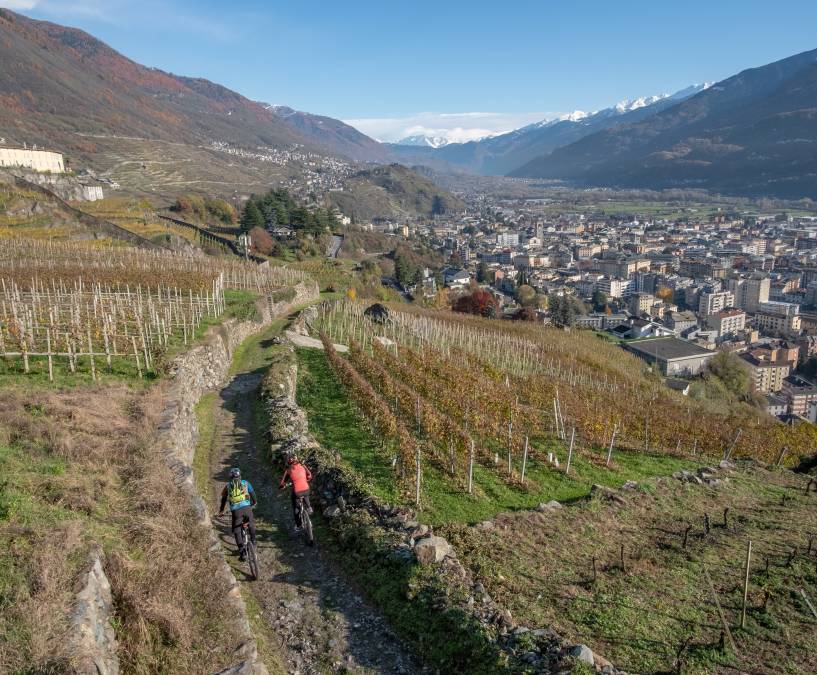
[(712, 303), (37, 160)]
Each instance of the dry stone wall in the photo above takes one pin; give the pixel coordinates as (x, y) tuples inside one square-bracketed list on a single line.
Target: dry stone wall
[(194, 373), (347, 503)]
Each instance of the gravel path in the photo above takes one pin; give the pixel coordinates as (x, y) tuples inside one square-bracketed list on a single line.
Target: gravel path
[(319, 621)]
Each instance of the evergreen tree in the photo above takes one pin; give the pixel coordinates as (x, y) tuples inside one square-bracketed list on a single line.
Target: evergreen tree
[(482, 272), (252, 217)]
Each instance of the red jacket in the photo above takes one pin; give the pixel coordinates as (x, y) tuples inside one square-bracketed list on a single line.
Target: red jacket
[(299, 475)]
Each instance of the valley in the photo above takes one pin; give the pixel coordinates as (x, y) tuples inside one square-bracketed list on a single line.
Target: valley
[(552, 390)]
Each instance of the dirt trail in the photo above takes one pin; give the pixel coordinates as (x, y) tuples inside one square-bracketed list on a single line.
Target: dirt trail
[(321, 624)]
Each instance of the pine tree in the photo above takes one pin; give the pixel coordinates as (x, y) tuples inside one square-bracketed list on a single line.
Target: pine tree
[(252, 217)]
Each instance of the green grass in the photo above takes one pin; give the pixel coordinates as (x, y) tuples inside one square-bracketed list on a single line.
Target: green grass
[(540, 567), (206, 422), (337, 424), (239, 305)]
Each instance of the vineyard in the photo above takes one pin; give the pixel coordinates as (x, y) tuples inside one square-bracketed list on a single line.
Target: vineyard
[(453, 392), (84, 310)]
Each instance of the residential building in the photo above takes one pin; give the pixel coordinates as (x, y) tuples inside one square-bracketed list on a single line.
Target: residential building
[(680, 321), (507, 239), (767, 372), (640, 303), (799, 393), (622, 267), (614, 288), (749, 293), (453, 277), (712, 303), (727, 322), (778, 318), (776, 405)]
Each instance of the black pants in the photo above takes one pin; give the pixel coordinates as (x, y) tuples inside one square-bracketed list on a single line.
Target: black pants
[(295, 495), (239, 516)]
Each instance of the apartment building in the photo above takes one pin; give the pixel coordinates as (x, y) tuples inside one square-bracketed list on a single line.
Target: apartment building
[(749, 293), (778, 318), (640, 303), (800, 394), (727, 321), (768, 373), (712, 303)]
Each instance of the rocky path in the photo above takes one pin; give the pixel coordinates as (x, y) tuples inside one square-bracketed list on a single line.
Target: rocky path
[(318, 620)]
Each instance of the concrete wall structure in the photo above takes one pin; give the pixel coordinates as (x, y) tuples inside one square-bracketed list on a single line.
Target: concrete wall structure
[(38, 160)]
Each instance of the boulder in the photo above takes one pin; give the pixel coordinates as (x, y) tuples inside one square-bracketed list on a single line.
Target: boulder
[(431, 550), (550, 506), (331, 512), (582, 653), (419, 532)]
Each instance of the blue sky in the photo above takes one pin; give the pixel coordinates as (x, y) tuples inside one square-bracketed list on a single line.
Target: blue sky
[(393, 66)]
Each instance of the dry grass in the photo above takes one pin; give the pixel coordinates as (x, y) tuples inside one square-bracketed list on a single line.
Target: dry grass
[(78, 469), (540, 565)]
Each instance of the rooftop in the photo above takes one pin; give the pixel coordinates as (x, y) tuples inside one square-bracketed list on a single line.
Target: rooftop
[(667, 348)]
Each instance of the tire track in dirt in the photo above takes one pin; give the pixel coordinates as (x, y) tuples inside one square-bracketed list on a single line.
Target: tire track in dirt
[(319, 621)]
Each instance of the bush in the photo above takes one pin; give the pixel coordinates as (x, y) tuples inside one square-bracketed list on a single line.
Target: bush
[(262, 242), (479, 302)]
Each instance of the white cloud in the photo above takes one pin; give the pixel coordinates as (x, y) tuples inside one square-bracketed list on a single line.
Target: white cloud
[(18, 4), (455, 127)]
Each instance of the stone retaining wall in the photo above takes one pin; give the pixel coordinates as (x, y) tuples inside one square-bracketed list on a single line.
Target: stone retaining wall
[(203, 368), (346, 502)]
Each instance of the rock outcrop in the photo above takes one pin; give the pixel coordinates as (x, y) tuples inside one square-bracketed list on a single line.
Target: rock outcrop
[(93, 640)]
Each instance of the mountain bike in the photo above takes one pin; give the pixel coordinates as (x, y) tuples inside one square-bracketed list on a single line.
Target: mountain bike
[(304, 521), (250, 550)]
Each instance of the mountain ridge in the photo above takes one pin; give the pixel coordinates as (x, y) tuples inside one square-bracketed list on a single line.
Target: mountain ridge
[(752, 134)]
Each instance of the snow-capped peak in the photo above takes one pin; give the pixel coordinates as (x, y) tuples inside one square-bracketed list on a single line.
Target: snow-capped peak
[(628, 105), (424, 141)]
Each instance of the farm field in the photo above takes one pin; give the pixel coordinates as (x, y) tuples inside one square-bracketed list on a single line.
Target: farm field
[(472, 423), (137, 216), (69, 311), (538, 410), (657, 613)]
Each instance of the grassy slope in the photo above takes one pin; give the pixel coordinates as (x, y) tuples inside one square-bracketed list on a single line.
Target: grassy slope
[(78, 470), (641, 618), (336, 424)]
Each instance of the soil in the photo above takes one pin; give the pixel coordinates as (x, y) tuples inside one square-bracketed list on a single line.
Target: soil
[(316, 617)]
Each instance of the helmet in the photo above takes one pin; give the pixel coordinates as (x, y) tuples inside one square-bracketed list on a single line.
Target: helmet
[(235, 472), (291, 459)]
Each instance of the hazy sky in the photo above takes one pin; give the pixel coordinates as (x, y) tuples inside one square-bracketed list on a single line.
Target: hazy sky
[(474, 66)]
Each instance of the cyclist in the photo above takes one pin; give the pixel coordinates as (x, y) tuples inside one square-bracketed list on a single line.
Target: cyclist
[(241, 496), (300, 476)]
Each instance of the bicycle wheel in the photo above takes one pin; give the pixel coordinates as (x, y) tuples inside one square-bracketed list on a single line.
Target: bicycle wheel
[(252, 559), (306, 523)]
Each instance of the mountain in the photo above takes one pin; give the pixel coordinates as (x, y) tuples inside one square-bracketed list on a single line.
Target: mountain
[(392, 192), (154, 132), (60, 83), (332, 135), (424, 141), (752, 134), (499, 155)]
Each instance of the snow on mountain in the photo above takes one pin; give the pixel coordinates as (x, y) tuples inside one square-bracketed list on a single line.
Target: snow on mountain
[(627, 105), (420, 140)]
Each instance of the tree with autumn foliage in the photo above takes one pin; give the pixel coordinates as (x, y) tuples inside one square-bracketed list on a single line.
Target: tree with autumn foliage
[(261, 240), (665, 294), (479, 302)]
